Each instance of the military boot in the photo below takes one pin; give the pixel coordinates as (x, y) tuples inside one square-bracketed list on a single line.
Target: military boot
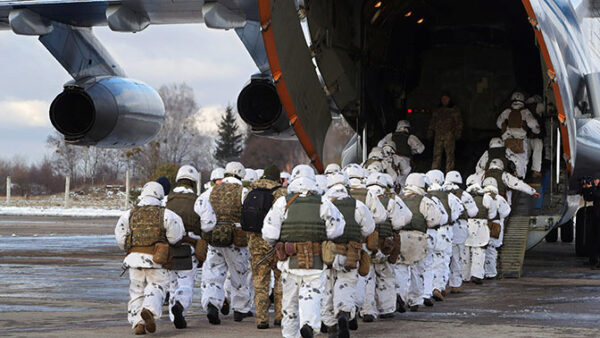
[(306, 331), (225, 307), (179, 320), (343, 329), (400, 305), (140, 329), (476, 280), (368, 318), (324, 328), (353, 324), (212, 313), (437, 295), (428, 302), (239, 316), (148, 318)]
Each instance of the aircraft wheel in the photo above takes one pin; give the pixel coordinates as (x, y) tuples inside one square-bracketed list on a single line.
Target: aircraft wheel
[(552, 236), (566, 232)]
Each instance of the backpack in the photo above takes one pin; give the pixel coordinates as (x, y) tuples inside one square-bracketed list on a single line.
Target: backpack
[(255, 208)]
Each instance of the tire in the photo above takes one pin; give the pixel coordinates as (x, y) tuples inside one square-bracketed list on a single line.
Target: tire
[(583, 235), (566, 232), (552, 236)]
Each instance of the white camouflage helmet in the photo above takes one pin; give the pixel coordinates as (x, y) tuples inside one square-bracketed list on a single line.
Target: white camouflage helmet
[(496, 142), (402, 125), (217, 174), (354, 170), (187, 172), (534, 99), (338, 178), (285, 175), (236, 169), (302, 170), (453, 177), (496, 164), (321, 181), (389, 181), (375, 167), (435, 176), (389, 147), (376, 153), (489, 181), (250, 175), (259, 172), (473, 179), (332, 168), (153, 189), (416, 180), (376, 179), (517, 96)]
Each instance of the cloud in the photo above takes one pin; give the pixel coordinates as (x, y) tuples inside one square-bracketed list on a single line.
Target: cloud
[(25, 113)]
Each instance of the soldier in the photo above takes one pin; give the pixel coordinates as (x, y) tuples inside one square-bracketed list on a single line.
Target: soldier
[(414, 249), (339, 303), (264, 193), (496, 228), (227, 250), (375, 156), (515, 122), (460, 230), (535, 142), (446, 125), (216, 177), (321, 181), (391, 161), (443, 247), (507, 182), (479, 232), (332, 168), (381, 289), (496, 150), (406, 145), (198, 219), (145, 232), (249, 177), (299, 223)]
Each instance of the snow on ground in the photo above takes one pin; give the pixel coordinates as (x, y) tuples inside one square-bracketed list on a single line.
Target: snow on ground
[(58, 211)]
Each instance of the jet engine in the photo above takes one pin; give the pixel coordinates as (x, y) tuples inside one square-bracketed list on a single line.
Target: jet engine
[(108, 112), (260, 107)]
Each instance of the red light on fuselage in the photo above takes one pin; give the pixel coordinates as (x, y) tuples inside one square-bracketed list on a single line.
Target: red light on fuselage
[(409, 111)]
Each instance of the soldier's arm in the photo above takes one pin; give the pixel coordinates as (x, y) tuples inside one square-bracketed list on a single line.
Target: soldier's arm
[(174, 226), (431, 210), (502, 118), (483, 160), (204, 209), (444, 212), (514, 183), (456, 206), (363, 216), (400, 215), (384, 139), (122, 229), (531, 121), (469, 204), (416, 146), (491, 205), (503, 207), (273, 220), (334, 220), (377, 209)]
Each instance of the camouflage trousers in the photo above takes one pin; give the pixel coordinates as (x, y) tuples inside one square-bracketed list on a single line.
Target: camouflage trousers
[(261, 278), (443, 143)]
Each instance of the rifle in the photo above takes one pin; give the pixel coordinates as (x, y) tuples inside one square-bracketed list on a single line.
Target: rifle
[(262, 260), (124, 270)]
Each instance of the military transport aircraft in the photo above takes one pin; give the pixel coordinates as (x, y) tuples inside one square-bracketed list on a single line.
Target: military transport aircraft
[(373, 62)]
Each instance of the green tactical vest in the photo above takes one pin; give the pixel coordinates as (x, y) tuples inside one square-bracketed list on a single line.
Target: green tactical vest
[(226, 201), (347, 207), (183, 205), (497, 174), (443, 197), (401, 141), (359, 194), (146, 225), (418, 222), (385, 229), (458, 193), (482, 212), (497, 153), (303, 222)]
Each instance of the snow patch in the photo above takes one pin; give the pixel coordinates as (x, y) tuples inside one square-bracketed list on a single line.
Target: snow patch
[(56, 211)]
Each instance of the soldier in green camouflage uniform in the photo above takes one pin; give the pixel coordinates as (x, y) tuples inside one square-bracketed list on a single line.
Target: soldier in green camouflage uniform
[(259, 249), (446, 126)]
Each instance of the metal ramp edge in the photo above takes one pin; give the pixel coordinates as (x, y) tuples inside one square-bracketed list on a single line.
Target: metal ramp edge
[(512, 253)]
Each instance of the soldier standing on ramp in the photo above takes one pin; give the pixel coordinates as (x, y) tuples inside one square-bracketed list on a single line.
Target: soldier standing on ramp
[(446, 127)]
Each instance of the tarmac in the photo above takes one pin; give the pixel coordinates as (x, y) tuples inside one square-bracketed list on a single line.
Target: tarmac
[(60, 278)]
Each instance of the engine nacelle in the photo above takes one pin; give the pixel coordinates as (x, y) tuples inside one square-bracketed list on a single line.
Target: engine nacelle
[(108, 112), (260, 107)]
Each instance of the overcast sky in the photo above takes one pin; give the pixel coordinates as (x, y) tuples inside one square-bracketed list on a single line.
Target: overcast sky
[(213, 62)]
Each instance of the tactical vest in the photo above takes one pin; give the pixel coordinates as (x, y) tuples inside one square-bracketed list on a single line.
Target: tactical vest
[(384, 229), (443, 197), (497, 153), (497, 175), (458, 193), (418, 222), (347, 207), (515, 119), (226, 201), (146, 227), (401, 141), (303, 222), (183, 205), (359, 194), (482, 212)]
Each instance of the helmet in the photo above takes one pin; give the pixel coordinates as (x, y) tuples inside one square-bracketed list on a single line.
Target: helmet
[(284, 175), (517, 96), (473, 179), (332, 168), (250, 175), (436, 176), (217, 174), (338, 178), (453, 177), (389, 181), (416, 179), (153, 189), (375, 167), (236, 169), (354, 170), (187, 172), (497, 164), (321, 181), (496, 142), (376, 153), (302, 170), (389, 147), (534, 99), (490, 181), (259, 172), (376, 179), (402, 125)]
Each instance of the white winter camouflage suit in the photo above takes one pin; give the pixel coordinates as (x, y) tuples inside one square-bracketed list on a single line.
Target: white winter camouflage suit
[(430, 260), (479, 236), (149, 281), (403, 162), (340, 284), (491, 252), (302, 288)]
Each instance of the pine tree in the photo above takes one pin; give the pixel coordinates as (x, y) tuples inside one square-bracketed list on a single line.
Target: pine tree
[(229, 141)]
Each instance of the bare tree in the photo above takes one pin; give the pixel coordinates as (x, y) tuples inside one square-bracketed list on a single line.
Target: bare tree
[(65, 157)]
